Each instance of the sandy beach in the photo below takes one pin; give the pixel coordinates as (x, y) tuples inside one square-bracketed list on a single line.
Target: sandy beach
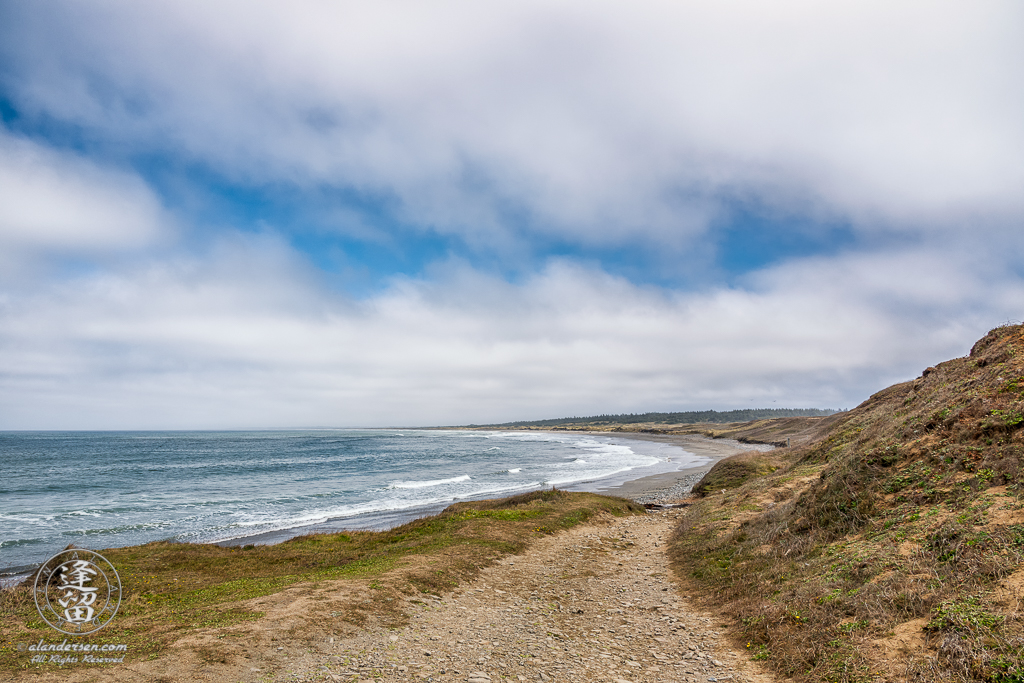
[(668, 487)]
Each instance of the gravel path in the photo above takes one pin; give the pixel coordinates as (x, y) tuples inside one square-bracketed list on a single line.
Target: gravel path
[(671, 494), (596, 603)]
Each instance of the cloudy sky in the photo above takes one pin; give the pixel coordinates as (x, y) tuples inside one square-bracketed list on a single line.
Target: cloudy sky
[(254, 214)]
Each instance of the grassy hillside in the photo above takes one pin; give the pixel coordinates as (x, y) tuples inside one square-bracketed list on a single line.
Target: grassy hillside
[(888, 548), (172, 591), (680, 418), (778, 431)]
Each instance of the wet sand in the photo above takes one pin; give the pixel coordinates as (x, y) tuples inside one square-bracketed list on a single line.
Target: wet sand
[(669, 486)]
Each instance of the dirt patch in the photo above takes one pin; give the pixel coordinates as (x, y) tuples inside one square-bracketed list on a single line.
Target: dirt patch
[(178, 600), (597, 602), (1009, 593), (908, 637)]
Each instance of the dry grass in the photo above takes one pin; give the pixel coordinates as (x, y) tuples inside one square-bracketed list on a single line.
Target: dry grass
[(171, 590), (782, 431), (892, 547), (736, 471)]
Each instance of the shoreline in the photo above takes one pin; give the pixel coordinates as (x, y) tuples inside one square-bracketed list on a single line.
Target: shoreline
[(660, 488), (669, 487)]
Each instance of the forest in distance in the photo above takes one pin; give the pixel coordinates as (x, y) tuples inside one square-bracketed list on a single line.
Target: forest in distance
[(686, 417)]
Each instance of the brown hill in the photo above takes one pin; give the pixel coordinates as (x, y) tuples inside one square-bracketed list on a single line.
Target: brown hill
[(889, 547), (777, 431)]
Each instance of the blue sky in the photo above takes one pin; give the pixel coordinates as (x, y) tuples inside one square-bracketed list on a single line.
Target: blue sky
[(248, 214)]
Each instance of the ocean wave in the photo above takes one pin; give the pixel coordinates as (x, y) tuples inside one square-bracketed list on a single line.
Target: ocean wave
[(266, 482), (17, 542), (238, 530), (534, 436), (582, 477), (145, 526), (83, 513), (425, 484)]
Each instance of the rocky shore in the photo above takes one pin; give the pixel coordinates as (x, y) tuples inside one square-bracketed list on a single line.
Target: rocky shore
[(672, 494)]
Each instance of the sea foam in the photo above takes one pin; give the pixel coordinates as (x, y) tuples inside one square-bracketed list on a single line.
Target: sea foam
[(426, 484)]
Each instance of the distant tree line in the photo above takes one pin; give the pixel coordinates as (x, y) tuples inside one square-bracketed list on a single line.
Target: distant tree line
[(687, 417)]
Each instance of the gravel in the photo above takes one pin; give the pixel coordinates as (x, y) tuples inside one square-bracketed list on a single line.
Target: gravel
[(595, 603), (684, 485)]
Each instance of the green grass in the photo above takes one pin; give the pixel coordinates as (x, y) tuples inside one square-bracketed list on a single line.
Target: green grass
[(170, 589)]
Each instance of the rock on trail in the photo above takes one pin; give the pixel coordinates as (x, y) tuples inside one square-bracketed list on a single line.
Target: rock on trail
[(595, 603)]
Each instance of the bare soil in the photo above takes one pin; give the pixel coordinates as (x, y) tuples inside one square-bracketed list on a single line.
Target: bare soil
[(595, 603)]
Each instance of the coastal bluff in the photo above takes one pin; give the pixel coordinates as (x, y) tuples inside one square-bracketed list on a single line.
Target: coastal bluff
[(887, 547)]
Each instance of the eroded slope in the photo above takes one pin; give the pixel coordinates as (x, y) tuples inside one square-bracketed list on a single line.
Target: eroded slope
[(891, 547)]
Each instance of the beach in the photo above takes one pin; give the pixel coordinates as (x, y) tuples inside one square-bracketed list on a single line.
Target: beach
[(669, 487), (660, 488), (242, 488), (132, 488)]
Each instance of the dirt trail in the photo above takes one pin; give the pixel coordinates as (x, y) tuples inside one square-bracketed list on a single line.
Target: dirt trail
[(596, 603)]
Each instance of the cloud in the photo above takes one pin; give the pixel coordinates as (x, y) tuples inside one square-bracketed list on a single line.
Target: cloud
[(243, 338), (57, 202), (592, 122), (590, 126)]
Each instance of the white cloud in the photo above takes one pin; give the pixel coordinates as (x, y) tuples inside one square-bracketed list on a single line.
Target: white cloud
[(243, 339), (601, 121), (59, 202)]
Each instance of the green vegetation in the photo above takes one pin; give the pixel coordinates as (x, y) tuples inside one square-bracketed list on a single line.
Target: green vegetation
[(687, 417), (172, 589), (736, 471), (891, 548)]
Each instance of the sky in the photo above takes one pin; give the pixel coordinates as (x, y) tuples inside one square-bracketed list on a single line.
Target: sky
[(245, 214)]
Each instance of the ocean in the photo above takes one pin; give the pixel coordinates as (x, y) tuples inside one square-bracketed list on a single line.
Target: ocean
[(110, 489)]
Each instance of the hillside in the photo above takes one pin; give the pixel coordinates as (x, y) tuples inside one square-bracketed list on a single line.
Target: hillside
[(779, 430), (604, 422), (890, 546)]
